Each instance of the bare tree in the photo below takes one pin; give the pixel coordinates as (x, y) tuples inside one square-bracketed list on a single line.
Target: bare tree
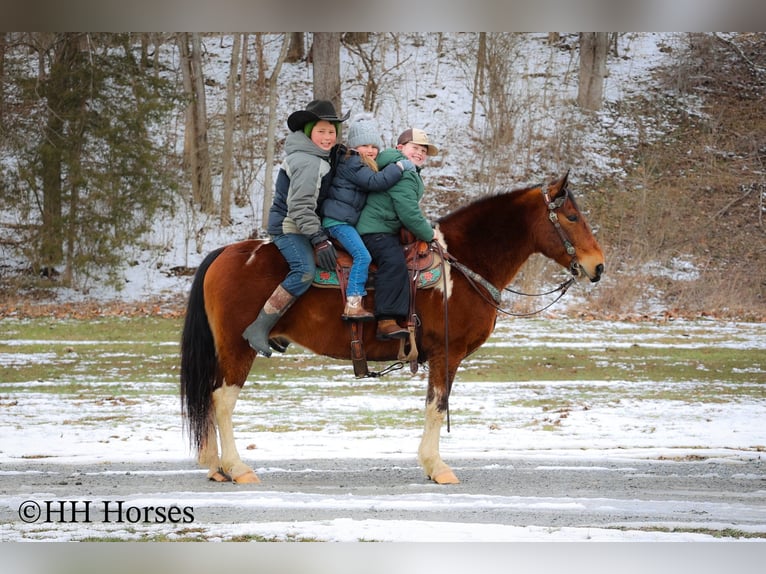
[(478, 79), (3, 43), (371, 59), (594, 47), (195, 137), (243, 72), (356, 38), (260, 60), (297, 49), (228, 132), (268, 181), (326, 57)]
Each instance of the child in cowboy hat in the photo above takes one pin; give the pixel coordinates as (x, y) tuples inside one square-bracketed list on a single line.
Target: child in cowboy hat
[(293, 223), (357, 174)]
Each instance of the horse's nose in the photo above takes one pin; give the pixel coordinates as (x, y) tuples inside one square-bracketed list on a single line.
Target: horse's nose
[(599, 271)]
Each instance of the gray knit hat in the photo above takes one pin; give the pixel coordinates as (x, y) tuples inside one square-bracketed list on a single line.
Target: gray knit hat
[(363, 130)]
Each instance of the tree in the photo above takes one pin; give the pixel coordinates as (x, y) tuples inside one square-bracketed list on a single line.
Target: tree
[(371, 58), (297, 49), (90, 175), (228, 132), (268, 182), (478, 78), (594, 47), (326, 58), (3, 43), (63, 90), (196, 149)]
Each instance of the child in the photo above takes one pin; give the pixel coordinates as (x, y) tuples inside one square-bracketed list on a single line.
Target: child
[(379, 224), (294, 224), (356, 174)]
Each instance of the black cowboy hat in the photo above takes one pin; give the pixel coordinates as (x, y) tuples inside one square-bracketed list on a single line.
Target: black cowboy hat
[(315, 111)]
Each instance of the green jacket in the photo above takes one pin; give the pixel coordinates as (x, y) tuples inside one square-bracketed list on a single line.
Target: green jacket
[(399, 206)]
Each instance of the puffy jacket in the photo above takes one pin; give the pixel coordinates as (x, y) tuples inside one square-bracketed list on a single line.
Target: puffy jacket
[(348, 191), (301, 185), (399, 206)]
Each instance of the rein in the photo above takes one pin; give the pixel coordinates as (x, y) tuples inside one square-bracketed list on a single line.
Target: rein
[(476, 281)]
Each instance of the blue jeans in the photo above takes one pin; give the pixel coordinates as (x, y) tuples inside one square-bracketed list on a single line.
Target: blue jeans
[(349, 238), (299, 254)]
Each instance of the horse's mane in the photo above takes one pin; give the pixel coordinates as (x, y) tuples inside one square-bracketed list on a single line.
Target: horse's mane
[(485, 203)]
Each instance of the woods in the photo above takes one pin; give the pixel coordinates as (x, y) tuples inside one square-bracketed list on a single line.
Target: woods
[(107, 136)]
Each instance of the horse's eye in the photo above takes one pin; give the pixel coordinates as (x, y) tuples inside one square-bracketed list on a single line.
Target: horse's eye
[(572, 217)]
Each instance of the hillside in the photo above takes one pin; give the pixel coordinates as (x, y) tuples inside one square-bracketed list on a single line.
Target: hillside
[(671, 171)]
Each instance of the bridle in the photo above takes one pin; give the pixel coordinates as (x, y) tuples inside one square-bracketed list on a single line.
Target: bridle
[(495, 294), (574, 265)]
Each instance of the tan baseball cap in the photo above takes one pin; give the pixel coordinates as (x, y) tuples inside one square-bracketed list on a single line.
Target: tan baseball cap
[(419, 137)]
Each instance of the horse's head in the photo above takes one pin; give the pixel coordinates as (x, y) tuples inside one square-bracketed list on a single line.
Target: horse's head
[(571, 242)]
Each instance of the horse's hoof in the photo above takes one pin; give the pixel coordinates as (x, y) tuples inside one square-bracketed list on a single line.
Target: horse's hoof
[(446, 477), (218, 476), (248, 478)]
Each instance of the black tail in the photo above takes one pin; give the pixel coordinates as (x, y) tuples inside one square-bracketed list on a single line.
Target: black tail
[(198, 359)]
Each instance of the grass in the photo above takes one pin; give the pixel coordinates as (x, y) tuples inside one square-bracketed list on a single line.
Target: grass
[(77, 356)]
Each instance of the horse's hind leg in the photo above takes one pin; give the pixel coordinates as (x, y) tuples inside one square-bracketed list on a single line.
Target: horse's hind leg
[(208, 454), (224, 400)]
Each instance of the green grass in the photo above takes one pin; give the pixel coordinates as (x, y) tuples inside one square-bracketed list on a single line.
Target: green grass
[(96, 358), (634, 363)]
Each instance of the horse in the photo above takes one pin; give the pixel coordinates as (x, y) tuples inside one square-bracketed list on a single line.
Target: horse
[(487, 240)]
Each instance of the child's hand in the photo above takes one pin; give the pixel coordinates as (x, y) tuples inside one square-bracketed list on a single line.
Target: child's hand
[(406, 165)]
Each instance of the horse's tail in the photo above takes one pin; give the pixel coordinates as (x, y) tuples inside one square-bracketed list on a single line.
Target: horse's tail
[(199, 363)]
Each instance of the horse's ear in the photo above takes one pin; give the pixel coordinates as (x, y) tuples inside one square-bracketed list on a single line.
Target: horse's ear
[(561, 185)]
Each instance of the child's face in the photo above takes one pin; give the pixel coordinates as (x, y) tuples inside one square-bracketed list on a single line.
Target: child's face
[(367, 150), (323, 135), (416, 153)]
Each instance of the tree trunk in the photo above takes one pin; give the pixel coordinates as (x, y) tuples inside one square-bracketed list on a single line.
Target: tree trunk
[(228, 132), (243, 99), (203, 165), (326, 52), (190, 151), (195, 137), (357, 37), (478, 78), (2, 73), (268, 180), (260, 60), (57, 91), (593, 52), (297, 50)]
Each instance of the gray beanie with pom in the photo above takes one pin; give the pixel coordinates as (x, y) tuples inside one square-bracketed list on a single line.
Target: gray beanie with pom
[(363, 130)]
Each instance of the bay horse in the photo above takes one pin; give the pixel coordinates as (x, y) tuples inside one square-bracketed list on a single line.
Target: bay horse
[(488, 239)]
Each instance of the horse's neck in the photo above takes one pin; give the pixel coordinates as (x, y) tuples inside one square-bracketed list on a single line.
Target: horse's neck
[(498, 239)]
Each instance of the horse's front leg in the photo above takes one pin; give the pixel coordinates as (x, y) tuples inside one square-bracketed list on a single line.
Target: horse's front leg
[(224, 400), (436, 409)]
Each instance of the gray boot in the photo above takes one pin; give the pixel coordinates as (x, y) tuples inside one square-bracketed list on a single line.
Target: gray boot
[(257, 333)]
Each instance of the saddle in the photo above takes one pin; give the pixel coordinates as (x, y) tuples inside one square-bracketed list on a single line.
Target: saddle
[(426, 270), (421, 260)]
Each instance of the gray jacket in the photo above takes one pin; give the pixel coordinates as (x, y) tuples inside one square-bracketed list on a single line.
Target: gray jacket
[(302, 182)]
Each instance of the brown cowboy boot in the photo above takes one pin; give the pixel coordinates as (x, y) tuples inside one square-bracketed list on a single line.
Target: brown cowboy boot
[(257, 333), (390, 329), (355, 311)]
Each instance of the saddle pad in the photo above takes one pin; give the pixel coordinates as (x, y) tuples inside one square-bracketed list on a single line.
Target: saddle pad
[(426, 278)]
